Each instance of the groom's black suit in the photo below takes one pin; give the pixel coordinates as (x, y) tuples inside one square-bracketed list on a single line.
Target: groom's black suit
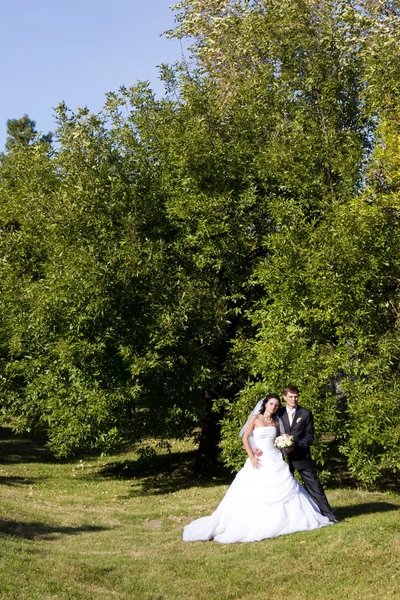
[(302, 430)]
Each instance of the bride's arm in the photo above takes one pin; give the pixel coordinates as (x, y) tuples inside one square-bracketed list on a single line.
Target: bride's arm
[(253, 459)]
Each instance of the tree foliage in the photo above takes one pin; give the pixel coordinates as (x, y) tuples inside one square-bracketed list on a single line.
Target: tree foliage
[(22, 132)]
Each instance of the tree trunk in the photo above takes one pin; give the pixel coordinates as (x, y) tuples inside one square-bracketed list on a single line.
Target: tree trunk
[(207, 453)]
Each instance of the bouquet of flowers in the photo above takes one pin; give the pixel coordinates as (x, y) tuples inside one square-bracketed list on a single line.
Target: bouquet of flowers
[(284, 441)]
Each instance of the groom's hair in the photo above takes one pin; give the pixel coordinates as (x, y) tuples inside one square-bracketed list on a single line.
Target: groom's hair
[(265, 400), (292, 389)]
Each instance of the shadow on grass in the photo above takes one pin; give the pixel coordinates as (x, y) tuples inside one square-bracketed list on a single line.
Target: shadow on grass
[(43, 531), (15, 449), (17, 481), (164, 474), (347, 512)]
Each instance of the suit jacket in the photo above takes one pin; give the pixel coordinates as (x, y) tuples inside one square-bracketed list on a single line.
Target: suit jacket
[(302, 430)]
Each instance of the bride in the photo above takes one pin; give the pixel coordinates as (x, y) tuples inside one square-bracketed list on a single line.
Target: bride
[(264, 500)]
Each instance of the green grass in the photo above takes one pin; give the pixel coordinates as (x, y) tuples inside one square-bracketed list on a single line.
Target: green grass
[(111, 528)]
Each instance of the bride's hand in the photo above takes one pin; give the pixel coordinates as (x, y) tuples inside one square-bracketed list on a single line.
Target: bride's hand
[(257, 452), (255, 462)]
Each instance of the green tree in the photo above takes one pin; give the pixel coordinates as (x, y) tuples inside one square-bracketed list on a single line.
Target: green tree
[(22, 132), (326, 320)]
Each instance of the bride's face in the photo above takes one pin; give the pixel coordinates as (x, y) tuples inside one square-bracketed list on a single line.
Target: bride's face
[(272, 406)]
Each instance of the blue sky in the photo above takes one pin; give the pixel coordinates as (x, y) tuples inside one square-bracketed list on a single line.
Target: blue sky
[(77, 51)]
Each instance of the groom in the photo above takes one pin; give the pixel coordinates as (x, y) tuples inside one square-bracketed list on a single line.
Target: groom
[(298, 422)]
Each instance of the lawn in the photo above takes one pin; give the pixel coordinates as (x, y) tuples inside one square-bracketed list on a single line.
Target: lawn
[(104, 528)]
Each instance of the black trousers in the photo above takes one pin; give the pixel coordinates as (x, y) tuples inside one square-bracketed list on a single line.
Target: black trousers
[(315, 489)]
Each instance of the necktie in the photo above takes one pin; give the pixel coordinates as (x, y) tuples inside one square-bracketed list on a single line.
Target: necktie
[(291, 415)]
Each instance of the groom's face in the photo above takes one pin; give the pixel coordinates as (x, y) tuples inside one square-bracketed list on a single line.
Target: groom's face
[(291, 400)]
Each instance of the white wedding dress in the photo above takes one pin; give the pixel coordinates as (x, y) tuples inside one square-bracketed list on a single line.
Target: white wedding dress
[(260, 503)]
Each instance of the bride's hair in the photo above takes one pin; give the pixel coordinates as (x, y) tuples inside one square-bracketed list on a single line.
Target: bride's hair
[(265, 400)]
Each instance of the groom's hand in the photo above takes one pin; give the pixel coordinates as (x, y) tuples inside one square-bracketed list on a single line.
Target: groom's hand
[(257, 452)]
